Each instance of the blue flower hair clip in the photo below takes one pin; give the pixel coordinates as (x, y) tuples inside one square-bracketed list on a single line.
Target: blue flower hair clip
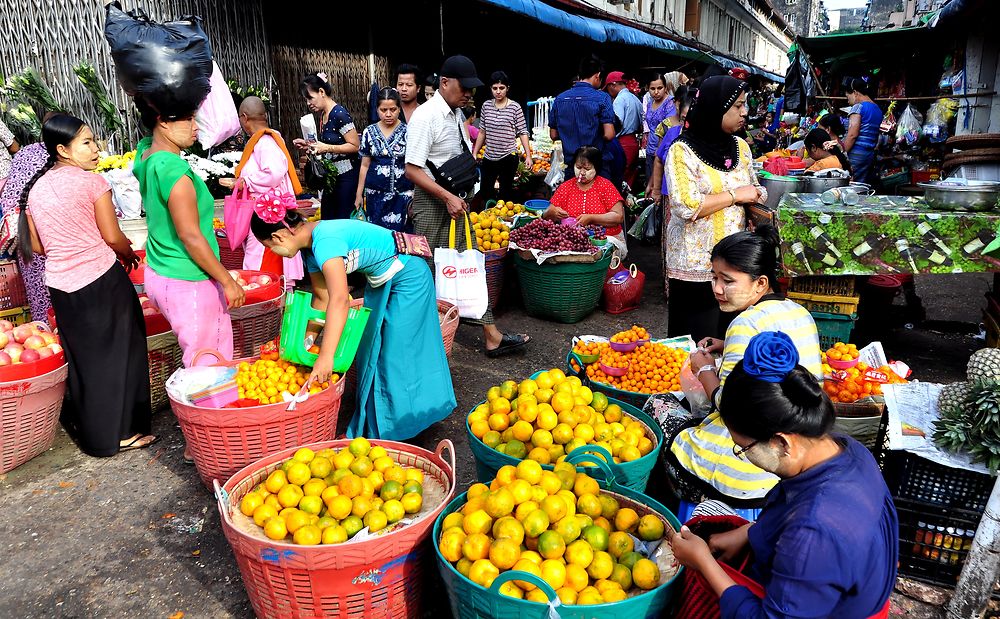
[(770, 356)]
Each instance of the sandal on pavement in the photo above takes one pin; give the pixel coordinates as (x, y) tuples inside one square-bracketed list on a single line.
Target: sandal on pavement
[(139, 442), (508, 344)]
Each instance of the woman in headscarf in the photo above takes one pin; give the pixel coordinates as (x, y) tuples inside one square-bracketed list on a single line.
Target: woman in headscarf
[(710, 178), (26, 163)]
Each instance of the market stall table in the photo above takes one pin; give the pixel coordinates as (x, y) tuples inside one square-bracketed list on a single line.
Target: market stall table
[(881, 235)]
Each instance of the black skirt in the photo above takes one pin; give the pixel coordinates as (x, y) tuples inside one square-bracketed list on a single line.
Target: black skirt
[(693, 310), (103, 334)]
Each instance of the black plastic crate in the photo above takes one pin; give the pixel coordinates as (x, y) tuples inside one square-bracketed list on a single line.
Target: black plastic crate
[(911, 477), (934, 541)]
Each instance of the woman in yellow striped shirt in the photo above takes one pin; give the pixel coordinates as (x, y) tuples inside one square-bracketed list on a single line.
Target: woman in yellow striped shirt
[(744, 280)]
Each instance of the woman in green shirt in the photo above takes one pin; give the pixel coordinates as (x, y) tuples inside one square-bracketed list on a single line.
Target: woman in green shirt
[(183, 276)]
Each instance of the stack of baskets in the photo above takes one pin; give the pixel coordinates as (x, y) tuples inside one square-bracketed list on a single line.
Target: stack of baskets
[(379, 577), (259, 320), (232, 259), (29, 415), (833, 303), (224, 440), (13, 296), (495, 262), (565, 292)]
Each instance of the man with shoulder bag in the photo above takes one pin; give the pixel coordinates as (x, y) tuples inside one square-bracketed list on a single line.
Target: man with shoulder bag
[(440, 163)]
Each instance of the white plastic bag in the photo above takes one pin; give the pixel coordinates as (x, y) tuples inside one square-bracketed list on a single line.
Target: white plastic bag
[(125, 192), (694, 392), (460, 276), (556, 173), (217, 117), (908, 128)]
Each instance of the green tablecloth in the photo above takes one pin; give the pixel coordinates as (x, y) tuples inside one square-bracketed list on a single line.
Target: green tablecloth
[(882, 234)]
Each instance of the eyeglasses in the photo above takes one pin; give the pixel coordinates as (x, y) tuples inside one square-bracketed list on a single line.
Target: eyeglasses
[(740, 452)]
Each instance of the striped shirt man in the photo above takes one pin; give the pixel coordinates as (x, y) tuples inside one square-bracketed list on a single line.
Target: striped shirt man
[(502, 126), (706, 450)]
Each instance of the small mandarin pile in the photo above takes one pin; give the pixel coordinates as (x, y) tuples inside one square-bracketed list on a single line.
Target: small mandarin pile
[(851, 385), (635, 334), (326, 497), (218, 224), (589, 348), (541, 163), (841, 352), (557, 525), (266, 380), (615, 359), (545, 418), (652, 368)]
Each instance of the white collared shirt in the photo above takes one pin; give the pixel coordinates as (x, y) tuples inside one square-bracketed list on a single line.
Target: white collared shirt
[(432, 133)]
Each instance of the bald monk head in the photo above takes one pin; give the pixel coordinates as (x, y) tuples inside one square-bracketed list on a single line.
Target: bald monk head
[(253, 115)]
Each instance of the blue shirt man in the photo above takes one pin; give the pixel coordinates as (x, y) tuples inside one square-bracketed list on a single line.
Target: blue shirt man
[(583, 115)]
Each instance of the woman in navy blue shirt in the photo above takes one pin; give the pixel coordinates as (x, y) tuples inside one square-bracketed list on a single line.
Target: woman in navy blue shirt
[(862, 131), (826, 542), (338, 142)]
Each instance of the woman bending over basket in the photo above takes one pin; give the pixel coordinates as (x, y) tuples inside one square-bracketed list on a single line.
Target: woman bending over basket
[(404, 384), (826, 543), (67, 215), (744, 280)]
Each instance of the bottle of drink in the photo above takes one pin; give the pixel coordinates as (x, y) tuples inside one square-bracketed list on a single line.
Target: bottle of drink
[(831, 196), (825, 257), (849, 196), (873, 241), (903, 247), (973, 247), (934, 255), (820, 235), (800, 252), (926, 231)]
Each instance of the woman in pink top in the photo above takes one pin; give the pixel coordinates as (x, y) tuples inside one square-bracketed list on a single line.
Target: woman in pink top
[(67, 215)]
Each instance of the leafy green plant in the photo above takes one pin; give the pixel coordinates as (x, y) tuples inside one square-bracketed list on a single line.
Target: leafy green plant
[(22, 121), (241, 92), (110, 116), (974, 425), (28, 84)]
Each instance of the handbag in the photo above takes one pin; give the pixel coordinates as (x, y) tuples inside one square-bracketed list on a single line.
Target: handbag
[(237, 210), (315, 173), (8, 232), (460, 276), (412, 245), (623, 288), (459, 174)]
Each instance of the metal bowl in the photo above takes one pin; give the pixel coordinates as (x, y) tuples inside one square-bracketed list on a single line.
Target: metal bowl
[(778, 186), (818, 184), (972, 196)]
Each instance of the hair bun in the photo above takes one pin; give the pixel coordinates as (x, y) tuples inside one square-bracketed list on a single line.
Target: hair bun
[(801, 388)]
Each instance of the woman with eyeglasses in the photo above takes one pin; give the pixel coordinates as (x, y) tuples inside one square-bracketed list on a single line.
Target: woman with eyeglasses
[(826, 543), (384, 192), (744, 281)]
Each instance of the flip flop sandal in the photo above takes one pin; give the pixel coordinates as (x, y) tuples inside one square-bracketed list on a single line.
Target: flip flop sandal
[(140, 442), (508, 344)]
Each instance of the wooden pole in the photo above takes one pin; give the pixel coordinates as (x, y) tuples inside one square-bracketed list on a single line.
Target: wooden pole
[(982, 566)]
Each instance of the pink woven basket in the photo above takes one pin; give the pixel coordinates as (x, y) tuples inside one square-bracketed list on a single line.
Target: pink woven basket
[(29, 415), (224, 440), (256, 324), (495, 261), (381, 577), (448, 315)]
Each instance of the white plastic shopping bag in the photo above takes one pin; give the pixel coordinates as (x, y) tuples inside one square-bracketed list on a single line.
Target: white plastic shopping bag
[(460, 276)]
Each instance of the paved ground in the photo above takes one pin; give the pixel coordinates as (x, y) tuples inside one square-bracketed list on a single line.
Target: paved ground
[(138, 535)]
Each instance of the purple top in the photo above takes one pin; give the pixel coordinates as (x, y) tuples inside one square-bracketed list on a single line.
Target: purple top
[(653, 118)]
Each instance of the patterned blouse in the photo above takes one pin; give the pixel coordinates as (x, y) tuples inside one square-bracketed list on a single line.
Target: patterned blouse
[(689, 181), (387, 171), (338, 124)]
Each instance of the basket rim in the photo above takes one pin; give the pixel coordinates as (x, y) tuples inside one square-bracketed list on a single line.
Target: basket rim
[(255, 467), (36, 377)]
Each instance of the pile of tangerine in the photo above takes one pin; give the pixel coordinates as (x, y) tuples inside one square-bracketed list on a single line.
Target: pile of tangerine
[(265, 380), (842, 352), (652, 368), (635, 334)]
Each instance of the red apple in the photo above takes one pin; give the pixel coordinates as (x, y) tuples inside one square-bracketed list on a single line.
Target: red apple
[(264, 280), (14, 350), (45, 352), (4, 339), (6, 325), (34, 342), (30, 356), (22, 333), (5, 359)]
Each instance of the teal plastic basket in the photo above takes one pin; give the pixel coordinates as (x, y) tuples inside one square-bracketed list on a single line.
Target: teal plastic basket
[(472, 601), (833, 328), (634, 475)]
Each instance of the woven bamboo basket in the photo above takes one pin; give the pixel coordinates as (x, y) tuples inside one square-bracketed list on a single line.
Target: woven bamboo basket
[(495, 268), (380, 577)]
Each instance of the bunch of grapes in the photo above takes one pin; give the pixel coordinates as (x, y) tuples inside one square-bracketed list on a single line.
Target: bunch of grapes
[(550, 237), (597, 232)]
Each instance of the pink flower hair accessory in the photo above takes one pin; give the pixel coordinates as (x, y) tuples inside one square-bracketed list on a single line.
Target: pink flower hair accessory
[(271, 207)]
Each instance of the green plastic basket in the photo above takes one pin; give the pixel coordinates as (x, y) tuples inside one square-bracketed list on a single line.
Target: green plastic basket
[(634, 475), (298, 313), (565, 291), (833, 328), (472, 601)]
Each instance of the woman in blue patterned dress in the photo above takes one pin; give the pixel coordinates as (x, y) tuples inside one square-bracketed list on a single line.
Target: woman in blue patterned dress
[(338, 142), (383, 189)]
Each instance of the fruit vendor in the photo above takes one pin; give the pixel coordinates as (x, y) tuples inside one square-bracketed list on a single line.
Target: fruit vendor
[(404, 384), (67, 214), (826, 542), (710, 178), (590, 198), (744, 273), (265, 167)]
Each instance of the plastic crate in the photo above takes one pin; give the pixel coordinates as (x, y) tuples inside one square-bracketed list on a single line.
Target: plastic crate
[(914, 478), (17, 316), (934, 540), (833, 328), (12, 292), (828, 303), (841, 286)]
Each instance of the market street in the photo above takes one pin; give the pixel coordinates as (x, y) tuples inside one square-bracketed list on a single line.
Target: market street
[(138, 535)]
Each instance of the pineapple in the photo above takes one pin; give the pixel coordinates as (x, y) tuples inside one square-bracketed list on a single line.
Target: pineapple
[(952, 397), (984, 365)]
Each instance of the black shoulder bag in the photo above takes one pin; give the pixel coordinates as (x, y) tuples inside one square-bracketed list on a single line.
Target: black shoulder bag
[(459, 174)]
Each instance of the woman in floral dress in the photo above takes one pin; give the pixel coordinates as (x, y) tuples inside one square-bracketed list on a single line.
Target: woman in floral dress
[(25, 164), (383, 189)]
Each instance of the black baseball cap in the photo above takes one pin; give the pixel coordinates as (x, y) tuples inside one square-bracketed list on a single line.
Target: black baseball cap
[(462, 69)]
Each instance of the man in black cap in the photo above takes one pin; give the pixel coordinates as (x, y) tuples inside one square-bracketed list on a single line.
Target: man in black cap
[(434, 135)]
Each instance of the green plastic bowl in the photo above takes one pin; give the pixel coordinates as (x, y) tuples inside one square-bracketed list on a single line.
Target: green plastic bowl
[(634, 475), (472, 601)]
